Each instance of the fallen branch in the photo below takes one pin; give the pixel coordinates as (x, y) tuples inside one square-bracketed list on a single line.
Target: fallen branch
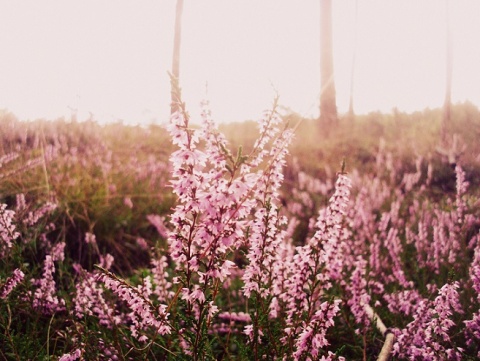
[(389, 336)]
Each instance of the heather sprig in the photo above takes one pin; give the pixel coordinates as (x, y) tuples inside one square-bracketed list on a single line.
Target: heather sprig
[(45, 299), (11, 282), (427, 337), (144, 316), (8, 232)]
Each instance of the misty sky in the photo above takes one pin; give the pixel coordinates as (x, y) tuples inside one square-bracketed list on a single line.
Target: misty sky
[(111, 57)]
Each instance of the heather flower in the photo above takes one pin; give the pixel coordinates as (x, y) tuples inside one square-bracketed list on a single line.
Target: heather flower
[(57, 252), (159, 223), (33, 217), (7, 229), (20, 202), (128, 202), (11, 283), (106, 261), (472, 327), (142, 243), (72, 356), (90, 238), (427, 335), (89, 300), (160, 279), (357, 293), (9, 157), (462, 186), (312, 337), (144, 315), (45, 299), (312, 269)]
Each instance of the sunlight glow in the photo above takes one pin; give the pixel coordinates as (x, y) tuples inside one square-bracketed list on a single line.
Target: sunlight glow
[(111, 58)]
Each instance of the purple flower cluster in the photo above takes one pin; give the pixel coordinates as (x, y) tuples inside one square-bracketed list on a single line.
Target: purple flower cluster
[(426, 337), (45, 299), (11, 282), (144, 315), (7, 229)]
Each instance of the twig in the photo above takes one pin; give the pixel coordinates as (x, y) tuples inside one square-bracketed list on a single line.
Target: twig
[(389, 336)]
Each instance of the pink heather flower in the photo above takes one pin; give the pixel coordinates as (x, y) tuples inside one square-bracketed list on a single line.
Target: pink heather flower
[(72, 356), (159, 223), (20, 202), (128, 202), (193, 296), (472, 327), (106, 261), (7, 158), (44, 296), (265, 234), (162, 287), (427, 335), (144, 315), (250, 332), (235, 316), (7, 230), (11, 283), (89, 300), (312, 337), (404, 302), (142, 243), (57, 252), (462, 187), (145, 288), (90, 238), (357, 293), (33, 217)]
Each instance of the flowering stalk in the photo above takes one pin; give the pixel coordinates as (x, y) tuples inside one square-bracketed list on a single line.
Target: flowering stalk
[(11, 283), (7, 230), (45, 299), (427, 337), (144, 314), (313, 267)]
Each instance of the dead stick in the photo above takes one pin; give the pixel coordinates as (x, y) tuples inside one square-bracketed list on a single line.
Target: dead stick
[(389, 337)]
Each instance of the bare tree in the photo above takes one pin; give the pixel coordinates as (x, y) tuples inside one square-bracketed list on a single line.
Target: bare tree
[(447, 105), (351, 112), (328, 105), (176, 53)]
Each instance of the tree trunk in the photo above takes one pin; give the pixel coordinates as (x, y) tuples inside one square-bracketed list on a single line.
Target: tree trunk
[(176, 54), (351, 112), (328, 105), (447, 105)]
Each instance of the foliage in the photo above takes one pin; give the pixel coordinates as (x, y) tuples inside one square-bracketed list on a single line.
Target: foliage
[(245, 254)]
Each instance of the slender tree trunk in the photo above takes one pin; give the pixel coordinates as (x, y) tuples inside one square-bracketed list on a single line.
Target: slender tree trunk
[(351, 112), (176, 53), (447, 105), (328, 105)]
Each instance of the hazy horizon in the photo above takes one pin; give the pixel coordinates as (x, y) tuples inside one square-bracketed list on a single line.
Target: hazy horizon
[(112, 58)]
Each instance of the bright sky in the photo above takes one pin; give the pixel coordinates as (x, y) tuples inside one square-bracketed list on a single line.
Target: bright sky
[(111, 57)]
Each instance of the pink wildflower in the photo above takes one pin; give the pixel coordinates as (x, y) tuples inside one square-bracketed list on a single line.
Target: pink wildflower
[(144, 315), (7, 230), (11, 283), (45, 299), (72, 356)]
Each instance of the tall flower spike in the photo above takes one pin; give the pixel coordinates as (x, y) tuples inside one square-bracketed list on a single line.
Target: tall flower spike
[(7, 229), (11, 283), (144, 316), (45, 299)]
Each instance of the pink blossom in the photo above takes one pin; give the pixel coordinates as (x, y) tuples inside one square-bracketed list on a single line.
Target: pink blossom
[(7, 230), (45, 299), (72, 356), (11, 283), (144, 315)]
